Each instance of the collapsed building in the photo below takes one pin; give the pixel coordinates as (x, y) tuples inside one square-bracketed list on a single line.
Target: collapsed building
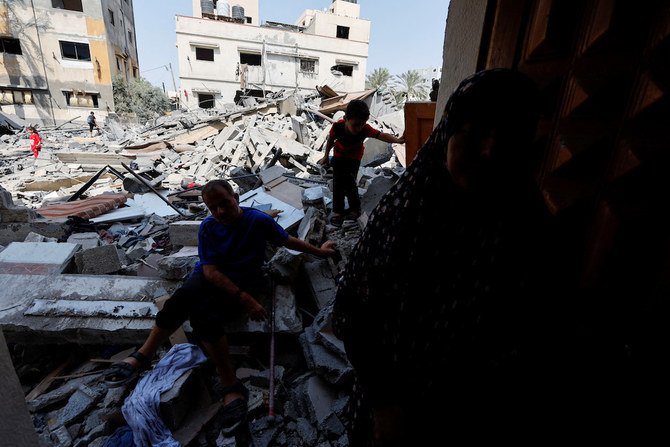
[(98, 231)]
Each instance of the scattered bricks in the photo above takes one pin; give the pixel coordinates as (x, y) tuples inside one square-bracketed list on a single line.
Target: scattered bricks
[(86, 240), (332, 427), (171, 267), (98, 260), (285, 264), (313, 196), (320, 398), (114, 397), (184, 232), (34, 237), (312, 226), (306, 431), (263, 430), (61, 437), (321, 282), (79, 404), (319, 359)]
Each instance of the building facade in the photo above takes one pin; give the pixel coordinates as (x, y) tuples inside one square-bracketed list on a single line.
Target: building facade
[(59, 56), (222, 58)]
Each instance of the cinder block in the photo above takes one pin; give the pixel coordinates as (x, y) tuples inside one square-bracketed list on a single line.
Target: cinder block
[(98, 260), (184, 232)]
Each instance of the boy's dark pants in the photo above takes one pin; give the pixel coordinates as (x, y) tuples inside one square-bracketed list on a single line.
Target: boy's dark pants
[(345, 171)]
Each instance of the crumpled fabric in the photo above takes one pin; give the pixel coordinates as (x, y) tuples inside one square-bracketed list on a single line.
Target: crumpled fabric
[(141, 408)]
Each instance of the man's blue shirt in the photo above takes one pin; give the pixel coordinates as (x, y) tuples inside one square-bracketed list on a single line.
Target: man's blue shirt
[(238, 249)]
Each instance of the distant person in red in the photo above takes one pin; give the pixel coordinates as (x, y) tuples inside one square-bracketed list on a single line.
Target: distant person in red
[(347, 137), (35, 141)]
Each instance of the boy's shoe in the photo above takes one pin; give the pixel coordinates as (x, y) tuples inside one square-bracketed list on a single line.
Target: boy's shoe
[(353, 215)]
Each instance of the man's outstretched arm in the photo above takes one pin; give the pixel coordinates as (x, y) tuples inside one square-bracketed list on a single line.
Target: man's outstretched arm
[(326, 250)]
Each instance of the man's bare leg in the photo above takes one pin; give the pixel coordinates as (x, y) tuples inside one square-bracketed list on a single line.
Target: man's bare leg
[(220, 355)]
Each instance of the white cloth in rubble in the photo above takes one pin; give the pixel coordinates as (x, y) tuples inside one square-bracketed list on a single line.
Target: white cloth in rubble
[(141, 408)]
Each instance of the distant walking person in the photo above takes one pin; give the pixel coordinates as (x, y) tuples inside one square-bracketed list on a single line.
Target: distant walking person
[(92, 123), (35, 141), (434, 91)]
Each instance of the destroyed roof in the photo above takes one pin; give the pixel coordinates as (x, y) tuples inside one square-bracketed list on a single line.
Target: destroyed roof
[(332, 105)]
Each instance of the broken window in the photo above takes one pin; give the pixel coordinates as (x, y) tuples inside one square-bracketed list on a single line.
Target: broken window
[(342, 32), (10, 45), (250, 59), (71, 5), (248, 19), (204, 54), (205, 101), (346, 70), (8, 96), (111, 17), (75, 50), (307, 65), (88, 100)]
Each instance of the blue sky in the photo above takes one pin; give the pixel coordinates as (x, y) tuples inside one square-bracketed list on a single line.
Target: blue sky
[(403, 36)]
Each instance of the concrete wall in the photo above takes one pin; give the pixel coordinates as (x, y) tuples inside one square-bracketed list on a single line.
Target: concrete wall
[(283, 51), (462, 38), (325, 24), (345, 9), (16, 427), (42, 65)]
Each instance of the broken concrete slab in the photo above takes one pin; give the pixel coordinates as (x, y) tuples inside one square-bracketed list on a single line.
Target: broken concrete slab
[(287, 318), (17, 232), (84, 309), (34, 237), (178, 265), (322, 361), (290, 216), (188, 394), (321, 282), (98, 260), (272, 173), (79, 404), (86, 240), (37, 257), (376, 152), (184, 232), (22, 290), (378, 187)]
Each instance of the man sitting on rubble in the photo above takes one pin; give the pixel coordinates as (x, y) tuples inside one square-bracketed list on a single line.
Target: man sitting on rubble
[(226, 280)]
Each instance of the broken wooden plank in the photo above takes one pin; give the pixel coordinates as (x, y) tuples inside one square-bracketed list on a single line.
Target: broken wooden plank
[(296, 164), (48, 380)]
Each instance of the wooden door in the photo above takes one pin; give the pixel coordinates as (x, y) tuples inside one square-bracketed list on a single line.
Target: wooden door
[(419, 117), (603, 146)]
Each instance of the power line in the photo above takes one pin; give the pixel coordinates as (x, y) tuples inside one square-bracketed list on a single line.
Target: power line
[(152, 69)]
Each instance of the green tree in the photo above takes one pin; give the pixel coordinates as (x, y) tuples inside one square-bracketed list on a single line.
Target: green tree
[(378, 79), (139, 97), (409, 86)]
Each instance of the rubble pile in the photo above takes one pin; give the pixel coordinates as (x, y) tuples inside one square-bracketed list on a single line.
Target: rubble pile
[(98, 231)]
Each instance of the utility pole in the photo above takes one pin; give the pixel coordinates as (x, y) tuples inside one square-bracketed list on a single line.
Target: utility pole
[(174, 84)]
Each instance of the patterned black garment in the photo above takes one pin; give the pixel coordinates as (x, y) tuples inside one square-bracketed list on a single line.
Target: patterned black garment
[(439, 301)]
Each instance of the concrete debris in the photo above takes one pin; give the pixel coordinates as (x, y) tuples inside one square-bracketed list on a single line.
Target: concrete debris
[(77, 204)]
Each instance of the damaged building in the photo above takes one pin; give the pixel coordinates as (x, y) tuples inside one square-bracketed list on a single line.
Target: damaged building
[(224, 53), (59, 57)]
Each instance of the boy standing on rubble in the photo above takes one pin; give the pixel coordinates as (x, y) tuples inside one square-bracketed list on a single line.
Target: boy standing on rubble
[(92, 123), (347, 137), (226, 280)]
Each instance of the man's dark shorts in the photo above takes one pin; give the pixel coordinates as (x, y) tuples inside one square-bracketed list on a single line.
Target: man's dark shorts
[(205, 305)]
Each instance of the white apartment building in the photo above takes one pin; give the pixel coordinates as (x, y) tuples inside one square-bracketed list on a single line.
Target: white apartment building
[(223, 57), (59, 56)]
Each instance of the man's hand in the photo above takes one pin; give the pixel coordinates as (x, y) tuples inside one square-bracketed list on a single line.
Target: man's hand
[(401, 139), (253, 307), (328, 249), (325, 161)]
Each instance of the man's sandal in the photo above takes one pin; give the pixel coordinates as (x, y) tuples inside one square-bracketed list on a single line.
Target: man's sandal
[(121, 373), (235, 412)]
